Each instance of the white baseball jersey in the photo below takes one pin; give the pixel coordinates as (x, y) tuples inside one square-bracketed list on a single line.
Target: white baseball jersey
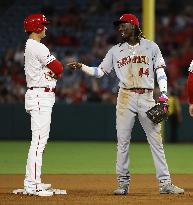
[(191, 67), (37, 56), (134, 65)]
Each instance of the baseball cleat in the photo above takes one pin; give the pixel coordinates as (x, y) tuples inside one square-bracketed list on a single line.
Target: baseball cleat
[(46, 186), (170, 189), (121, 190), (59, 191)]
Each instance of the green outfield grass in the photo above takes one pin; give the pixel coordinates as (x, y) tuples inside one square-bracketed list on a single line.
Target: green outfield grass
[(92, 157)]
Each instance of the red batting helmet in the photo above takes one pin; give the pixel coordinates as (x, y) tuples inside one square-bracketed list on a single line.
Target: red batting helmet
[(35, 23), (127, 18)]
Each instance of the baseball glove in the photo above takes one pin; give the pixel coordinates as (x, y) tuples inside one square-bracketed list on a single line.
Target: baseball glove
[(75, 65), (158, 113)]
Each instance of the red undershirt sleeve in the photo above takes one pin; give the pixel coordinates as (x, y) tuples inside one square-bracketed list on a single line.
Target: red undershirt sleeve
[(190, 87)]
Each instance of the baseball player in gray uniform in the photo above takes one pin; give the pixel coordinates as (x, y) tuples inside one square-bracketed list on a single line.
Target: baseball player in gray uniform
[(42, 71), (136, 61)]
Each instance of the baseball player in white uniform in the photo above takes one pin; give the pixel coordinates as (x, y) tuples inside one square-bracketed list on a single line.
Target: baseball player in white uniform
[(42, 71), (136, 60)]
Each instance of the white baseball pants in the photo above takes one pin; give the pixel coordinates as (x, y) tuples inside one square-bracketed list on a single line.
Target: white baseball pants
[(39, 105)]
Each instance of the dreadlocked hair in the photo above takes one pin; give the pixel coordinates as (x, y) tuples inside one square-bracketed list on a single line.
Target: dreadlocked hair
[(138, 33), (29, 33)]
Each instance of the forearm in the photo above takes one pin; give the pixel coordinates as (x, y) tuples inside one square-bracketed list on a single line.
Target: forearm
[(93, 71), (162, 79)]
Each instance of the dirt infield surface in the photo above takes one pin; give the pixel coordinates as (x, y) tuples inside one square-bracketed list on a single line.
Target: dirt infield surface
[(97, 190)]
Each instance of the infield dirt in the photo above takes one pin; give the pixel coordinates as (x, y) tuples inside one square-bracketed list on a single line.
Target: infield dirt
[(97, 190)]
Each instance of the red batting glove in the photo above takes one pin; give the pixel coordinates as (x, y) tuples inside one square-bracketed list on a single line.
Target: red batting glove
[(164, 100)]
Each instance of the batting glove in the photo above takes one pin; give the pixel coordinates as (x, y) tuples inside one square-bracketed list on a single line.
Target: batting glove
[(164, 100)]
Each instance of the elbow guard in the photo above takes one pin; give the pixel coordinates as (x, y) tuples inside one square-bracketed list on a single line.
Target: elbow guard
[(56, 67), (99, 72), (93, 71)]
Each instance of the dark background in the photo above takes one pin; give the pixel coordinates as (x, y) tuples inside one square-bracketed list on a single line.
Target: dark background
[(82, 30)]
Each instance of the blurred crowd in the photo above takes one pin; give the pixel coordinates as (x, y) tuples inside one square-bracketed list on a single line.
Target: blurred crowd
[(72, 37)]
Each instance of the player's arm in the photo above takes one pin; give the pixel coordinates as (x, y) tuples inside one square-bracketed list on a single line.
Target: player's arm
[(92, 71), (48, 60), (56, 67), (162, 82), (159, 65), (161, 79), (104, 68)]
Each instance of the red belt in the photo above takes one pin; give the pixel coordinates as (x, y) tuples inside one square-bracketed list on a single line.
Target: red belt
[(139, 90), (46, 89)]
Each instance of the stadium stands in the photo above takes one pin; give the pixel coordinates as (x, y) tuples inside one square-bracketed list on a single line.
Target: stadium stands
[(82, 30)]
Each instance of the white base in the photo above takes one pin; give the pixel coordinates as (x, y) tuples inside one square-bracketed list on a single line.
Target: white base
[(55, 191)]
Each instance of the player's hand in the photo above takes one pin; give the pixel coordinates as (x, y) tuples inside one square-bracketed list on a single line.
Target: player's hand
[(164, 100), (75, 65), (191, 110)]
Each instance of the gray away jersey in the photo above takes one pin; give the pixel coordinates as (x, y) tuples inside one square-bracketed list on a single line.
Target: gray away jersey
[(134, 65)]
